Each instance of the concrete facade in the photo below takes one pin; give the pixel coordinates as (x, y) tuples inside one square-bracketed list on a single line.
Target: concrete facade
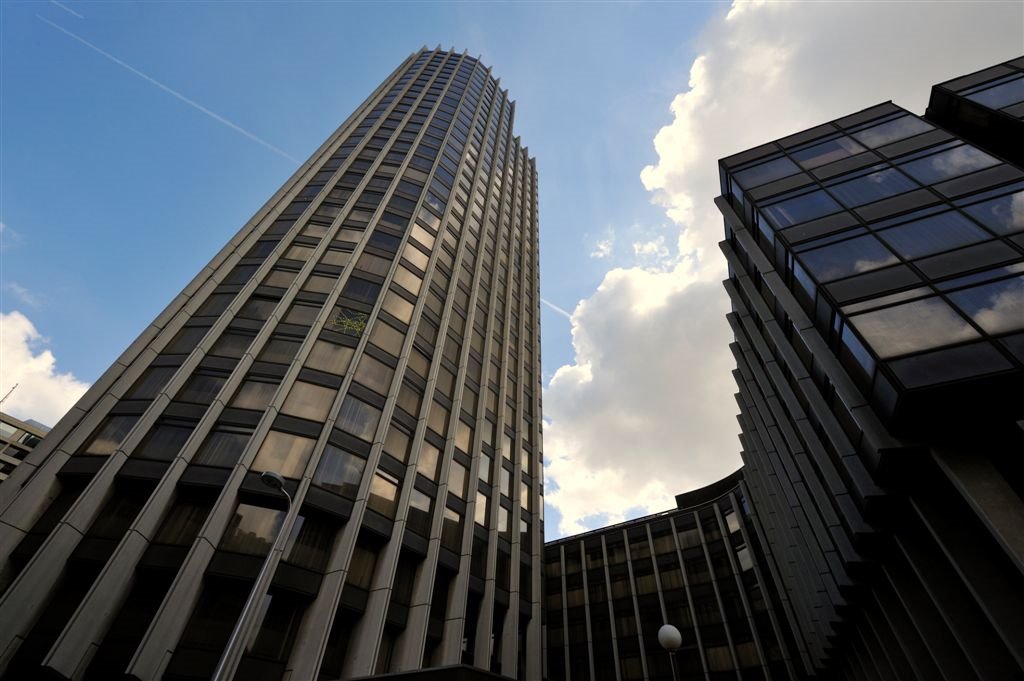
[(372, 334)]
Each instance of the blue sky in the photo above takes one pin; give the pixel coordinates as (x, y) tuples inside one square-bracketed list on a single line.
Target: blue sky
[(626, 106), (100, 166)]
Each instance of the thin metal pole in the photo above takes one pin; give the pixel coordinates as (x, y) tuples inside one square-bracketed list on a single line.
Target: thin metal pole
[(672, 659), (228, 659)]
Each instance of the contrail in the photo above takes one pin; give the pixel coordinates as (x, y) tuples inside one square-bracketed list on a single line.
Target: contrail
[(67, 9), (193, 104), (557, 309)]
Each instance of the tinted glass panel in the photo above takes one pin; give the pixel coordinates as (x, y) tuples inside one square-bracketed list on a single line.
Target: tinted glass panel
[(284, 453), (251, 530), (997, 307), (854, 256), (872, 187), (766, 172), (891, 131), (826, 152), (1004, 215), (1001, 95), (933, 234), (222, 448), (920, 325), (950, 163), (339, 471), (800, 209)]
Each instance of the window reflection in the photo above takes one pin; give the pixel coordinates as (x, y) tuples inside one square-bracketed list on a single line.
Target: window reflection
[(950, 163), (251, 530), (1000, 95), (891, 131), (1004, 215), (997, 307), (854, 256), (284, 453), (339, 471), (933, 234), (826, 152), (872, 187), (911, 327), (765, 172), (800, 209)]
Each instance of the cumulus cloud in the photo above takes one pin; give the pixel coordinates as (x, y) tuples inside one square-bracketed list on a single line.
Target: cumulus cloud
[(43, 393), (646, 411), (603, 246)]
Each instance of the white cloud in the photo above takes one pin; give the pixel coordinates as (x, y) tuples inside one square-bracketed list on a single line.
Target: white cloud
[(24, 295), (646, 409), (655, 249), (603, 247), (43, 393), (9, 238)]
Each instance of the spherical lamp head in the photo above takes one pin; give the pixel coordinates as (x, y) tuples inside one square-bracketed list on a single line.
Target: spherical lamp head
[(670, 638), (272, 480)]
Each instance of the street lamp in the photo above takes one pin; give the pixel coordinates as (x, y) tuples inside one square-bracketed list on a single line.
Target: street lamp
[(233, 652), (670, 639)]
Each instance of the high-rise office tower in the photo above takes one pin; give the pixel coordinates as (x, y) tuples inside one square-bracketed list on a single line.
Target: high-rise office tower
[(697, 567), (877, 282), (371, 335)]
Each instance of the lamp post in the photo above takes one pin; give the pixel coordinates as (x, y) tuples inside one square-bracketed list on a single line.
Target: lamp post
[(670, 639), (233, 651)]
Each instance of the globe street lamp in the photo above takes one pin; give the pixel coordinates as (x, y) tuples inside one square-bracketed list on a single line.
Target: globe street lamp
[(670, 639), (233, 651)]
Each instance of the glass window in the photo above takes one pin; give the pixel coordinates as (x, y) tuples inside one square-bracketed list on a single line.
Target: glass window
[(319, 284), (164, 441), (374, 374), (950, 163), (347, 321), (335, 257), (361, 567), (251, 530), (279, 351), (486, 463), (872, 187), (397, 306), (891, 131), (765, 172), (1004, 215), (254, 394), (149, 384), (284, 453), (358, 418), (186, 340), (387, 338), (280, 278), (374, 264), (997, 307), (329, 358), (222, 448), (182, 524), (506, 482), (201, 389), (298, 252), (1004, 94), (407, 280), (302, 315), (451, 529), (826, 152), (415, 256), (258, 309), (483, 507), (800, 209), (438, 419), (231, 345), (309, 401), (457, 477), (420, 508), (109, 435), (383, 493), (427, 463), (310, 543), (215, 304), (339, 471), (463, 437), (853, 256), (362, 290), (397, 443), (933, 234), (911, 327)]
